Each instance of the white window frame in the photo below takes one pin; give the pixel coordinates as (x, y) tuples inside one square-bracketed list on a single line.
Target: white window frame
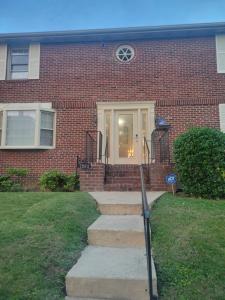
[(37, 107), (33, 62), (220, 52), (122, 47), (9, 63), (222, 116)]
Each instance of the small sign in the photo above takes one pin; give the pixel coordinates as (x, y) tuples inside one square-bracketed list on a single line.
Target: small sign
[(171, 178), (84, 165)]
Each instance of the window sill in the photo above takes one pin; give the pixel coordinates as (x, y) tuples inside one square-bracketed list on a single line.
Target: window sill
[(26, 147), (20, 80)]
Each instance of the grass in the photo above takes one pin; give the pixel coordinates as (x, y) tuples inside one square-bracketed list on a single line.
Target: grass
[(41, 237), (189, 248)]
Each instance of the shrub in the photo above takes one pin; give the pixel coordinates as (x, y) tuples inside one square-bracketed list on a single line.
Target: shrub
[(57, 181), (19, 172), (5, 183), (72, 183), (200, 162)]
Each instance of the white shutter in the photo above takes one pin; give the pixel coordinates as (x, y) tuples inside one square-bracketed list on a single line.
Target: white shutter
[(222, 117), (34, 61), (220, 53), (3, 61)]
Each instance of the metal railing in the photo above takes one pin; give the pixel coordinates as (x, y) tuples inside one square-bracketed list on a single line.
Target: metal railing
[(106, 154), (147, 232), (147, 159), (93, 147)]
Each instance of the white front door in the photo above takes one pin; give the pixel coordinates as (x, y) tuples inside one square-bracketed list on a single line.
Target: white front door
[(126, 137)]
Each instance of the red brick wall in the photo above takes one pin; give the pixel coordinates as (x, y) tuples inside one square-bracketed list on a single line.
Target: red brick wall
[(93, 178), (180, 75)]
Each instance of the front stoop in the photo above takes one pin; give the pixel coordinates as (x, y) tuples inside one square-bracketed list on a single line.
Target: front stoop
[(122, 203), (113, 266)]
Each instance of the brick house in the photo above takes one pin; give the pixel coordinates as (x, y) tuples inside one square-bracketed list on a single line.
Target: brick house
[(56, 86)]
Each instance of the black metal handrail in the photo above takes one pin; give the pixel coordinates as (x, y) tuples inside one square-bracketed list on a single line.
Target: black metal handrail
[(147, 158), (93, 148), (147, 232), (106, 157)]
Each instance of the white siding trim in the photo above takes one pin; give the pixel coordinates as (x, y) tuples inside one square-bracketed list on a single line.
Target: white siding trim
[(222, 117), (25, 106), (220, 53), (34, 61), (3, 61)]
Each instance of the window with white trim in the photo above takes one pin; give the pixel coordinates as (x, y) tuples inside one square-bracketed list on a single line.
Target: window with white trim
[(1, 114), (17, 64), (220, 53), (125, 53), (222, 116), (27, 127)]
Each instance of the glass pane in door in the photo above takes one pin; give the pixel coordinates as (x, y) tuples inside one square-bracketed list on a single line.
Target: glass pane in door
[(126, 143)]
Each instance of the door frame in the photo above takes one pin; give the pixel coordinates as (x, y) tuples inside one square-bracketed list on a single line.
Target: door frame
[(111, 108)]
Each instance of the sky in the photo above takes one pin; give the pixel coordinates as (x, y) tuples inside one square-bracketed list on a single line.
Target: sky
[(50, 15)]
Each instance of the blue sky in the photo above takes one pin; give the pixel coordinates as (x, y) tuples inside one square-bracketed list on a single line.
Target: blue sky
[(43, 15)]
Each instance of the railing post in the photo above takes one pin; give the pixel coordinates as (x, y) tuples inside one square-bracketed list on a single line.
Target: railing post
[(146, 221)]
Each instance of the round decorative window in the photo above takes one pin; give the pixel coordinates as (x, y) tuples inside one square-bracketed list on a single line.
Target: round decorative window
[(125, 53)]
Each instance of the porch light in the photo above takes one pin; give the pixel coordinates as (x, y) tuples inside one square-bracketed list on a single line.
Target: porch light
[(161, 123)]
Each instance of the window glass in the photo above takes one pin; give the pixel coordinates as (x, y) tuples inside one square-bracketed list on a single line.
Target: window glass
[(125, 53), (126, 142), (19, 58), (47, 124), (144, 123), (46, 138), (20, 129), (1, 116), (47, 120)]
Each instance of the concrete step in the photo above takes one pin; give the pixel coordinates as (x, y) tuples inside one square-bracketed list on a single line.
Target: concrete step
[(78, 298), (109, 273), (117, 231), (122, 203)]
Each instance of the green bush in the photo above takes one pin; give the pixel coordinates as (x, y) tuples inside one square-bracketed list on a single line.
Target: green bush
[(57, 181), (200, 162), (5, 183), (19, 172), (8, 185), (72, 183)]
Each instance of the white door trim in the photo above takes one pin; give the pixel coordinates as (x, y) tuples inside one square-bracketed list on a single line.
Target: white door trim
[(102, 107)]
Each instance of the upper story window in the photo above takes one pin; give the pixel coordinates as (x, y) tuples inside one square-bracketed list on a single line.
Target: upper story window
[(125, 53), (27, 126), (18, 60), (220, 53)]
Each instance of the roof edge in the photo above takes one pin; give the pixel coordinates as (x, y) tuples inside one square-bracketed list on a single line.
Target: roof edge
[(146, 32)]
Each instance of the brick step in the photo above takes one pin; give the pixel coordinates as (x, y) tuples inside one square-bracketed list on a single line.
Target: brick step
[(123, 170), (123, 180), (124, 187)]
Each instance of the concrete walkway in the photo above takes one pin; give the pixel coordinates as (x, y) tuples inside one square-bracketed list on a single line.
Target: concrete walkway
[(113, 266)]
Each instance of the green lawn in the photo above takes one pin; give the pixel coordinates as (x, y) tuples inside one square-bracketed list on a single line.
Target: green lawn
[(41, 237), (189, 248)]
